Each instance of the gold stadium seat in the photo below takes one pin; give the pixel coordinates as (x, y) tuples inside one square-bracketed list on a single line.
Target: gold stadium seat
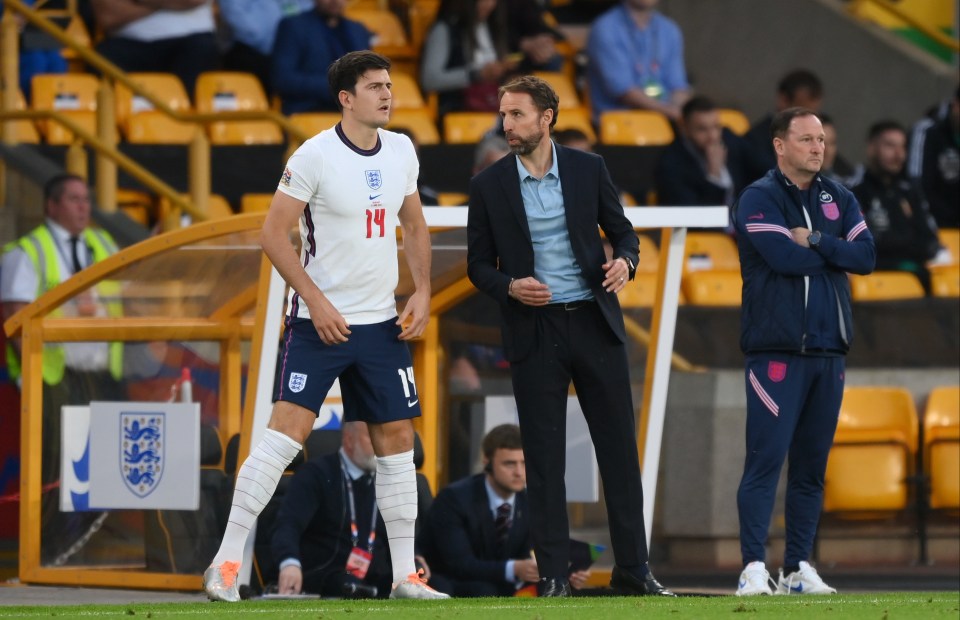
[(386, 27), (22, 131), (72, 94), (253, 202), (649, 255), (418, 122), (635, 128), (312, 123), (705, 251), (563, 86), (641, 292), (872, 458), (138, 205), (950, 239), (576, 118), (141, 123), (945, 281), (716, 287), (467, 127), (218, 207), (941, 447), (406, 92), (885, 286), (452, 199), (734, 120), (221, 91)]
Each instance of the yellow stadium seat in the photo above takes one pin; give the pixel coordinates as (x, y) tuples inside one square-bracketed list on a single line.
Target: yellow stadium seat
[(641, 292), (217, 207), (467, 127), (705, 251), (222, 91), (418, 122), (312, 123), (564, 87), (649, 255), (716, 287), (138, 205), (576, 118), (734, 120), (141, 123), (945, 281), (421, 16), (950, 239), (452, 199), (253, 202), (406, 92), (941, 447), (72, 94), (22, 131), (635, 128), (872, 458), (885, 286), (385, 26)]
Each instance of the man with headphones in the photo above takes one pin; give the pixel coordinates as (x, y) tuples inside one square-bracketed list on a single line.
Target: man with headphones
[(477, 533)]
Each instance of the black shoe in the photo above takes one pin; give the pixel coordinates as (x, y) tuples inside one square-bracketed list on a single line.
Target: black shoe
[(623, 580), (553, 587)]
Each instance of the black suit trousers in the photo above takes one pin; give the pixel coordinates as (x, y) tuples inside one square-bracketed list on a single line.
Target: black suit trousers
[(579, 346)]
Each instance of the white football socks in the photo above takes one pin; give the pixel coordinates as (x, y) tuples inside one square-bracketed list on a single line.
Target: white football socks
[(397, 501), (256, 482)]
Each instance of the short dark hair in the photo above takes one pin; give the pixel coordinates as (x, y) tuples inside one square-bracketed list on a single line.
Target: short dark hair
[(799, 80), (503, 437), (781, 120), (568, 135), (543, 95), (883, 126), (53, 189), (697, 105), (346, 71)]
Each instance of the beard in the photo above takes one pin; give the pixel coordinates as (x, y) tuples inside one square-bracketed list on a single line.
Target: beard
[(525, 146)]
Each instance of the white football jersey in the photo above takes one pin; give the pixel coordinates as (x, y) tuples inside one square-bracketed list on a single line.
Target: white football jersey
[(348, 229)]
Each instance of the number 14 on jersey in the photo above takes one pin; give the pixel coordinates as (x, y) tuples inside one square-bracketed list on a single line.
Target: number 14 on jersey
[(376, 219)]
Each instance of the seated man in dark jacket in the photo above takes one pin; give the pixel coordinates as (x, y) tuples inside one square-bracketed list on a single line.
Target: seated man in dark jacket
[(322, 539), (477, 534)]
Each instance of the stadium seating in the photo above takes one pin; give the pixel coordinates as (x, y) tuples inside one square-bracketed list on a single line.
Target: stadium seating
[(452, 199), (467, 127), (945, 281), (641, 292), (649, 255), (576, 118), (23, 131), (705, 251), (405, 92), (950, 239), (72, 94), (138, 120), (564, 87), (635, 128), (941, 447), (218, 91), (139, 206), (416, 121), (734, 120), (714, 287), (872, 460), (251, 202), (312, 123), (885, 286)]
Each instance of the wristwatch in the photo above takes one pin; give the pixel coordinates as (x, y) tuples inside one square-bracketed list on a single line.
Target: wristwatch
[(814, 239), (631, 268)]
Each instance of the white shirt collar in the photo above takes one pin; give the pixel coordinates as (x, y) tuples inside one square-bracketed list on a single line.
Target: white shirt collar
[(495, 500), (61, 234), (353, 470)]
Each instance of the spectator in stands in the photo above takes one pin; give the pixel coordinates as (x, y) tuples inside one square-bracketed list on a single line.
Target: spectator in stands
[(935, 161), (894, 206), (799, 88), (707, 164), (176, 36), (529, 33), (489, 150), (73, 373), (305, 46), (39, 52), (329, 537), (251, 27), (574, 138), (466, 55), (834, 165), (636, 61), (477, 536)]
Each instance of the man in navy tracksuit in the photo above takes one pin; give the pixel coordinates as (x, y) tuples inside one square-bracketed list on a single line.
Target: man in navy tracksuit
[(799, 234)]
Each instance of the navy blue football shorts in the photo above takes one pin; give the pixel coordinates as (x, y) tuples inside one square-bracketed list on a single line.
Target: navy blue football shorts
[(375, 370)]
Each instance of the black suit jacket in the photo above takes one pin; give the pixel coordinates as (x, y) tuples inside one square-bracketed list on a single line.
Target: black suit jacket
[(682, 180), (500, 247), (460, 541)]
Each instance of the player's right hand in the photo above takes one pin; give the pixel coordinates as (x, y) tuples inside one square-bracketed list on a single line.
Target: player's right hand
[(290, 580), (330, 325)]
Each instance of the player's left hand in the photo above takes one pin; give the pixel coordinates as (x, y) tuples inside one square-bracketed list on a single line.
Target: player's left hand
[(415, 316), (618, 273)]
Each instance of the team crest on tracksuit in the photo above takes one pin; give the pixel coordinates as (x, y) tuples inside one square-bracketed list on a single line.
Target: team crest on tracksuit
[(776, 371), (142, 444), (297, 382), (374, 179), (829, 206)]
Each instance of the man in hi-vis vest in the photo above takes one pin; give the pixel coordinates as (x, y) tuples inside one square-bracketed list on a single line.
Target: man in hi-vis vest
[(73, 373)]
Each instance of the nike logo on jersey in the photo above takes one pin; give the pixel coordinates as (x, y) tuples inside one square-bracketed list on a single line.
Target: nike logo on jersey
[(374, 196), (755, 216), (411, 404)]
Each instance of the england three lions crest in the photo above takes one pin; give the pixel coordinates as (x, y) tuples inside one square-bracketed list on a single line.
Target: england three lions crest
[(374, 180), (142, 442)]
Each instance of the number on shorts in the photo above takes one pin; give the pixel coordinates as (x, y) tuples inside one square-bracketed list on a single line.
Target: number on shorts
[(376, 217), (406, 378)]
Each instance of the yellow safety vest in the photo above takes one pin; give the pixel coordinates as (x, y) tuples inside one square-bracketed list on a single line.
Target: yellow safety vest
[(41, 248)]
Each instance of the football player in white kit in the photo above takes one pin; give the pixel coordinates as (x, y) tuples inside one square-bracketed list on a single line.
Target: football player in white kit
[(347, 187)]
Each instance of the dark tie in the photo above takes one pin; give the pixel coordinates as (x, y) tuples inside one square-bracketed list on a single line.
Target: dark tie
[(502, 525), (74, 241)]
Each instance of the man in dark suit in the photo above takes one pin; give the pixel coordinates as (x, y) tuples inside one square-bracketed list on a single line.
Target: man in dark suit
[(534, 246)]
